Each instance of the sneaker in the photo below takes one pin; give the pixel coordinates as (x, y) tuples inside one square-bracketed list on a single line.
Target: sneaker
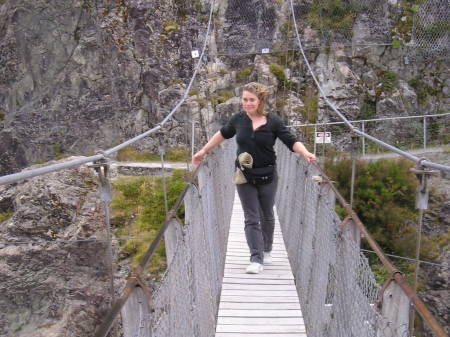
[(267, 258), (254, 268)]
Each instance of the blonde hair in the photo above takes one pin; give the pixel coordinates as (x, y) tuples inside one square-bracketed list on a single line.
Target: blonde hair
[(261, 91)]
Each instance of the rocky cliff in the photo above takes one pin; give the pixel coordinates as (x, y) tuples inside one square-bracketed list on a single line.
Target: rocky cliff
[(77, 75), (51, 287)]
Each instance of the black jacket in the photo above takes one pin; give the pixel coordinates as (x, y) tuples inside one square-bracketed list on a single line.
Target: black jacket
[(259, 143)]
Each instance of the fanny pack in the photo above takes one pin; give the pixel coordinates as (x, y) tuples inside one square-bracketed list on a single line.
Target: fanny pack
[(259, 175)]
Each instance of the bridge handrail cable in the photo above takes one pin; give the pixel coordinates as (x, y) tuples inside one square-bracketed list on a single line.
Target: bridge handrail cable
[(407, 155)]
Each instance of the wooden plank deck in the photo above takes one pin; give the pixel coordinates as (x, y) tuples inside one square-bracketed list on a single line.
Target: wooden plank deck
[(265, 304)]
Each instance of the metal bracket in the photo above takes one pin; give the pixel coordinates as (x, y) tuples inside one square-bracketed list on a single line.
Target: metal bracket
[(379, 304), (422, 194), (102, 167), (354, 146), (145, 290)]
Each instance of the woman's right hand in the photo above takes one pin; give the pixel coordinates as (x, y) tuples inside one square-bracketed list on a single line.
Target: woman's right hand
[(198, 157)]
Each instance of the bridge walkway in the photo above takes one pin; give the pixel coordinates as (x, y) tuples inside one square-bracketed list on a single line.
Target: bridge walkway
[(264, 304)]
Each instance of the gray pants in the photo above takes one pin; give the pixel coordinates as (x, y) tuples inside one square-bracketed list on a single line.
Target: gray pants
[(257, 203)]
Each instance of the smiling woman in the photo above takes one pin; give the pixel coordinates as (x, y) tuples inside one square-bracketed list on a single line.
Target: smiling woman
[(256, 130)]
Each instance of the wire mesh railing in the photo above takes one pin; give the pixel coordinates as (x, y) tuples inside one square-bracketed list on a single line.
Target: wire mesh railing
[(186, 303), (337, 288), (334, 281)]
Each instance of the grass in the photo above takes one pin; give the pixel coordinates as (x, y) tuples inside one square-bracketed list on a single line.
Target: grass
[(198, 5), (193, 92), (402, 29), (224, 95), (388, 81), (278, 71), (423, 90), (177, 153), (311, 106), (171, 26), (138, 211), (244, 73), (333, 15), (368, 108), (6, 215)]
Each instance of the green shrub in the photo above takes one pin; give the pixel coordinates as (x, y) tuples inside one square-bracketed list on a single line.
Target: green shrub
[(278, 71), (6, 215), (58, 152), (287, 29), (2, 115), (388, 81), (198, 5), (333, 15), (224, 95), (423, 90), (384, 199), (201, 101), (396, 44), (193, 92), (403, 27), (171, 26), (311, 106), (244, 73), (138, 211), (368, 108)]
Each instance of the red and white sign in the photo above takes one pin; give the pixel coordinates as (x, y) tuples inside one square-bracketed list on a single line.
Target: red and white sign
[(323, 138)]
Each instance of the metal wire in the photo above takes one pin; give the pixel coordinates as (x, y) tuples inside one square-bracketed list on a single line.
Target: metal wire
[(411, 259)]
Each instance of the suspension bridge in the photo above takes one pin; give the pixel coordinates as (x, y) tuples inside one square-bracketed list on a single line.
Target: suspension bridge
[(320, 283)]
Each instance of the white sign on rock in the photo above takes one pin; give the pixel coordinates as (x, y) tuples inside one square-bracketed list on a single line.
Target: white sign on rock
[(195, 54)]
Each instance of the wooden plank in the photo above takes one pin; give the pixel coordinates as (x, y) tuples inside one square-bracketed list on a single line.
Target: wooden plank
[(259, 306), (243, 334), (236, 252), (230, 280), (262, 276), (251, 293), (259, 287), (274, 321), (237, 265), (257, 329), (259, 313), (260, 299)]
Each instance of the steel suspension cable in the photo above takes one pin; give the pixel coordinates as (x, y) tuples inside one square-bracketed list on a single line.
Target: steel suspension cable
[(407, 155)]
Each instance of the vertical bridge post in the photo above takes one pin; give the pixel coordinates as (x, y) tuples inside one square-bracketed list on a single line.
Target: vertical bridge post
[(394, 311)]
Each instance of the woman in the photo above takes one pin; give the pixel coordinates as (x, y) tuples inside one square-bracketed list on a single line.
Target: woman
[(256, 132)]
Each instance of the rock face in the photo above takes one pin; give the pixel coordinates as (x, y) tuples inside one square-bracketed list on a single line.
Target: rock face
[(77, 76), (54, 288)]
